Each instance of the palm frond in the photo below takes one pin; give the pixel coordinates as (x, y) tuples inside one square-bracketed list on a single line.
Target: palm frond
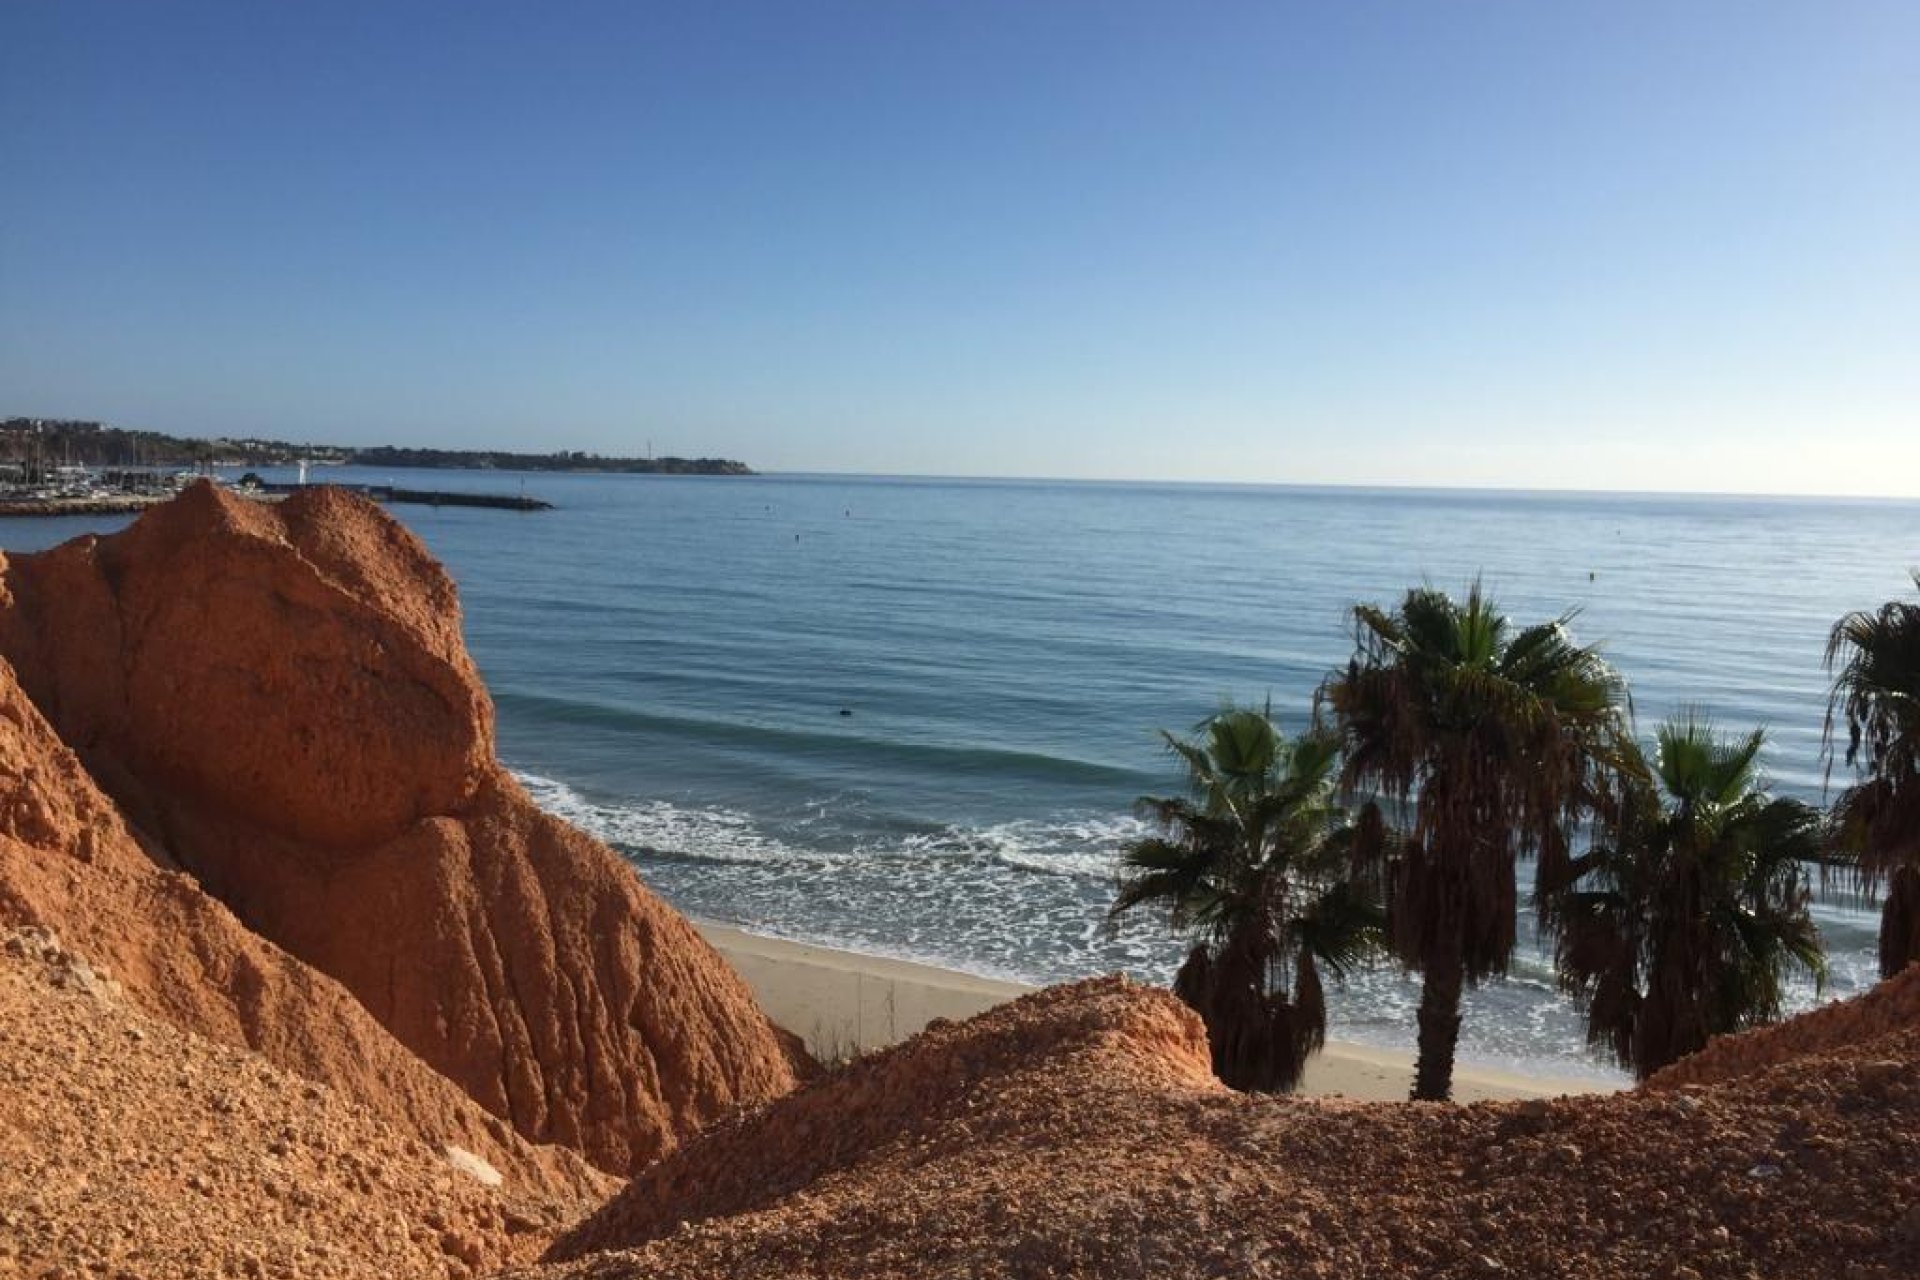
[(1684, 919), (1343, 928), (1249, 868), (1875, 660)]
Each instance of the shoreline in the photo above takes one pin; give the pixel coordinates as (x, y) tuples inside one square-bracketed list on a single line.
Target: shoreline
[(843, 1002)]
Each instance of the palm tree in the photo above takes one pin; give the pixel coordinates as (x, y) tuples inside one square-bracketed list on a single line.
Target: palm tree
[(1683, 920), (1496, 742), (1876, 822), (1251, 868)]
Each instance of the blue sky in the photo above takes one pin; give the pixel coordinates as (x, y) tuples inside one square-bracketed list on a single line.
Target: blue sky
[(1566, 245)]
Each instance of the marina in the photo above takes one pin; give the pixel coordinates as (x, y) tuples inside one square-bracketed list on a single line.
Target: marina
[(87, 491)]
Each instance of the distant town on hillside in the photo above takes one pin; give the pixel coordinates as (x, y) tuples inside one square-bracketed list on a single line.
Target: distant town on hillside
[(39, 444)]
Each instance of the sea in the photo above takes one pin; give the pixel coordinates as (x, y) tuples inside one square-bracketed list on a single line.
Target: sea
[(912, 717)]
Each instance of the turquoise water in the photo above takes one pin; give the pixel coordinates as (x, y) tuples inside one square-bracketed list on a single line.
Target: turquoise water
[(671, 658)]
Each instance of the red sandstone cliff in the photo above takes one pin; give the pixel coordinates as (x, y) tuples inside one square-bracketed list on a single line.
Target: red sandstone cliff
[(70, 865), (278, 698)]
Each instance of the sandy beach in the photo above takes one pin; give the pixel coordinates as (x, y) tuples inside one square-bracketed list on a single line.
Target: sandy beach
[(841, 1002)]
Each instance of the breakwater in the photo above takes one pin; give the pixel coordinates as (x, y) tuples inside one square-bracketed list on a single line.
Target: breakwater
[(427, 497), (117, 504)]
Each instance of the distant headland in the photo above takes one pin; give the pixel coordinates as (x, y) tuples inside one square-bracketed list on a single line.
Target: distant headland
[(39, 444), (500, 460)]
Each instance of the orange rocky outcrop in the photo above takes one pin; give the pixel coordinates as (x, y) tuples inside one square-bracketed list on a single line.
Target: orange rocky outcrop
[(71, 866), (1884, 1009), (1077, 1133), (279, 701)]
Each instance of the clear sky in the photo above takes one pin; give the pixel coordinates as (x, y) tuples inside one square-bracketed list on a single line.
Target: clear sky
[(1537, 244)]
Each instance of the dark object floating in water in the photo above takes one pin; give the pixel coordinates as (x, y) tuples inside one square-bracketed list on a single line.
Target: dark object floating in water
[(845, 711)]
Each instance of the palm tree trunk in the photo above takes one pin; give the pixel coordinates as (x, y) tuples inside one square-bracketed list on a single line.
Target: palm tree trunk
[(1900, 922), (1443, 977)]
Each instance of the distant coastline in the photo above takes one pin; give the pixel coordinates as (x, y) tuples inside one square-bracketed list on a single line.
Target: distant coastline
[(501, 460), (35, 447)]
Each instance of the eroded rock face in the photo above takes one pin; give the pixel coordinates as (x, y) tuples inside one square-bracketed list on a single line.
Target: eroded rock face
[(279, 698), (71, 867), (299, 669)]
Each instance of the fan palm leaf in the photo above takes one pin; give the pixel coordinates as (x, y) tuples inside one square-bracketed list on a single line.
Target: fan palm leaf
[(1686, 919), (1875, 828), (1250, 868), (1489, 742)]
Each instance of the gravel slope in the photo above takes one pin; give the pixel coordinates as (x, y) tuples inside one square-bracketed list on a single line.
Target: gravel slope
[(1075, 1133), (131, 1148)]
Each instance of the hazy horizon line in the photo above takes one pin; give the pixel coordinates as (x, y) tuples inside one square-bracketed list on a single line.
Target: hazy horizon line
[(1389, 485)]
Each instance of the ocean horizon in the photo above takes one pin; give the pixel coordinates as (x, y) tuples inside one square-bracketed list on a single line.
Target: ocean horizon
[(911, 715), (1354, 488)]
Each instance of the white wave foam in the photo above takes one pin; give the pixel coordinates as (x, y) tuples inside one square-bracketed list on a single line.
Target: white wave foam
[(1083, 847), (969, 898), (711, 833)]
